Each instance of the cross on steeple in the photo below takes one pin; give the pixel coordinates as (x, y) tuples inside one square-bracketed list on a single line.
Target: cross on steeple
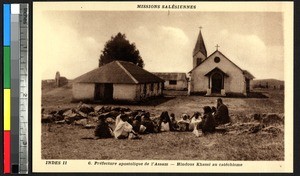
[(217, 46), (200, 27)]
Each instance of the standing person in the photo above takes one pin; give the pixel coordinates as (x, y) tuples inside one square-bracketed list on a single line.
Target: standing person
[(208, 125), (221, 115)]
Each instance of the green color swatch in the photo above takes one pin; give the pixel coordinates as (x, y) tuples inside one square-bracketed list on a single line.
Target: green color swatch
[(6, 67)]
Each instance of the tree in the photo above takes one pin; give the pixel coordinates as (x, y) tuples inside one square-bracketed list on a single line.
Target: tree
[(119, 48)]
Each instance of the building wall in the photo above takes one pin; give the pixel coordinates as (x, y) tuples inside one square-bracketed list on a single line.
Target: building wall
[(196, 57), (125, 92), (181, 85), (234, 83), (83, 91), (144, 90)]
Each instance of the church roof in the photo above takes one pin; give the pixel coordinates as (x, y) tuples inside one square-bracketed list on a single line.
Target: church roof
[(200, 46), (119, 72), (248, 75)]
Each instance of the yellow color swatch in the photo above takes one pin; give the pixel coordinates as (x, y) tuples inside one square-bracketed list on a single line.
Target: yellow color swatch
[(7, 109)]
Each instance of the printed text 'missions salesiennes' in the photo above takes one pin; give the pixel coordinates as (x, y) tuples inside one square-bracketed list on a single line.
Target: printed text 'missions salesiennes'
[(166, 6)]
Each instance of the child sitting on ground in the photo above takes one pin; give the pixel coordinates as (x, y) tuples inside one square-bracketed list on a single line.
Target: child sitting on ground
[(196, 119), (174, 125), (184, 123), (165, 124), (103, 130)]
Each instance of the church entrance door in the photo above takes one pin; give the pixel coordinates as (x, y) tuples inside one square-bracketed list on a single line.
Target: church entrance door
[(216, 83)]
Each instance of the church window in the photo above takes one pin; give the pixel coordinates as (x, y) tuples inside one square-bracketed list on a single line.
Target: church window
[(217, 59), (173, 82)]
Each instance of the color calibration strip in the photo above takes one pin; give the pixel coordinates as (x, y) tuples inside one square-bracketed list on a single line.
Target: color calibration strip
[(15, 47), (6, 74)]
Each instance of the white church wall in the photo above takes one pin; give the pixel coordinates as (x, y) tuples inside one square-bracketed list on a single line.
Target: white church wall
[(234, 83)]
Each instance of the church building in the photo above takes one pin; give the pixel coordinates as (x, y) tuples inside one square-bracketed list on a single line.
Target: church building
[(216, 75)]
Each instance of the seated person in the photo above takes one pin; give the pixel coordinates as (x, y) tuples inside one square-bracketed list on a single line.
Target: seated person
[(147, 123), (165, 121), (222, 114), (195, 120), (213, 110), (123, 129), (174, 125), (137, 124), (208, 124), (183, 123), (103, 130)]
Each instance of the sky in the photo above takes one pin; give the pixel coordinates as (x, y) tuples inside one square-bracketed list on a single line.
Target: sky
[(72, 41)]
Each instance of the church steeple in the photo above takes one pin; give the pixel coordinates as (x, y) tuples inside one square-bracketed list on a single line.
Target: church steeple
[(200, 46), (199, 53)]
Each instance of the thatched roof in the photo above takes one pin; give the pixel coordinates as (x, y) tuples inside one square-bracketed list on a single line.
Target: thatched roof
[(118, 72)]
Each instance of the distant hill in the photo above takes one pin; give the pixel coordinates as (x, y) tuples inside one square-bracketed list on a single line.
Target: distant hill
[(268, 84)]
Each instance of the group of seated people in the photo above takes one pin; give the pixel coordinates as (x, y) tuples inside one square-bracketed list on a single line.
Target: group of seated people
[(130, 128)]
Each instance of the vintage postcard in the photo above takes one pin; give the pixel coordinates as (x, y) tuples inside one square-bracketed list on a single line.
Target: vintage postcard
[(184, 87)]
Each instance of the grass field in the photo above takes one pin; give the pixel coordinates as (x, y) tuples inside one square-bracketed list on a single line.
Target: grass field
[(65, 141)]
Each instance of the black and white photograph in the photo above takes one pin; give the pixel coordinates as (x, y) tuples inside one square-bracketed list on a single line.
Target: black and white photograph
[(168, 86)]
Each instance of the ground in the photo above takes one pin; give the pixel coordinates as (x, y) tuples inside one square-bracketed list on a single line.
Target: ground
[(65, 141)]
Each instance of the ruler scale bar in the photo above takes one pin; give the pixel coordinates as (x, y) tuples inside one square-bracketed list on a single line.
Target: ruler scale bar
[(23, 98)]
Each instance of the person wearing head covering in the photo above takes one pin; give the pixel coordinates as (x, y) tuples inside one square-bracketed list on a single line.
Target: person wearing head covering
[(213, 110), (221, 115), (208, 125), (165, 121), (174, 125), (137, 124), (195, 120), (147, 123), (183, 123), (123, 129), (103, 130)]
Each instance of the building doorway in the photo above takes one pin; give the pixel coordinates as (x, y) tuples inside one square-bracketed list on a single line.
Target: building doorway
[(217, 82), (104, 92)]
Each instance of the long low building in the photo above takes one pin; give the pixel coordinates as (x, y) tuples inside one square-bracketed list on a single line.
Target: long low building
[(173, 80), (118, 80)]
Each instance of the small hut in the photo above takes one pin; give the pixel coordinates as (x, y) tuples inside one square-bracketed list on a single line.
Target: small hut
[(118, 80)]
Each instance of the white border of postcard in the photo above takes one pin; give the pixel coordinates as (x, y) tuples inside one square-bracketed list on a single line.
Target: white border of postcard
[(39, 165)]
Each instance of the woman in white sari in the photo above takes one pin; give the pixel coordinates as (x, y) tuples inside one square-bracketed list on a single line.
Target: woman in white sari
[(196, 119), (123, 129)]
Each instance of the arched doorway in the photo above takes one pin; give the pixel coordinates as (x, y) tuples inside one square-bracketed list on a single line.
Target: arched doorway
[(217, 81)]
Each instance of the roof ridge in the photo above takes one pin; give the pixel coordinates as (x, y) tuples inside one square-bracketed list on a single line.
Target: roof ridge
[(127, 72)]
